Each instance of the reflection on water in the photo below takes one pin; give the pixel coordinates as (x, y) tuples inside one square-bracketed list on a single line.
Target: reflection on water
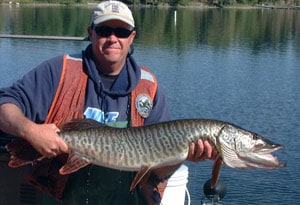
[(240, 66)]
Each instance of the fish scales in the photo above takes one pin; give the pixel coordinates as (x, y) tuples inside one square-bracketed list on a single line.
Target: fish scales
[(132, 148), (157, 143)]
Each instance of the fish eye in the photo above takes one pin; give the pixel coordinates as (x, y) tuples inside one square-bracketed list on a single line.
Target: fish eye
[(260, 143)]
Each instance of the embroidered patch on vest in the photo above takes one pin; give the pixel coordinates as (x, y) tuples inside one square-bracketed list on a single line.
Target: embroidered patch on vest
[(143, 104)]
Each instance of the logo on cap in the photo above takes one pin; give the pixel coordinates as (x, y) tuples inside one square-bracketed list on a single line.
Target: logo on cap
[(115, 8), (143, 104)]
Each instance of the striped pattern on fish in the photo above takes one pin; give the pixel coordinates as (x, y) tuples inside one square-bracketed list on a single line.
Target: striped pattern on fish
[(131, 148), (149, 147)]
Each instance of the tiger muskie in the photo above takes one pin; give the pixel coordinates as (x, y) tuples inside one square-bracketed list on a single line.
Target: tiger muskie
[(146, 148)]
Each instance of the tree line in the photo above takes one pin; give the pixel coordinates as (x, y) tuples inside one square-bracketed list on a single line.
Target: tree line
[(171, 2)]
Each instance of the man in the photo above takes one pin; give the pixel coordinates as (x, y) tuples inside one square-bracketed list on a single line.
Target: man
[(112, 78)]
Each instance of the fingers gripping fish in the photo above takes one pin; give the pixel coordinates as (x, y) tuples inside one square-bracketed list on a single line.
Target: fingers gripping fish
[(146, 148)]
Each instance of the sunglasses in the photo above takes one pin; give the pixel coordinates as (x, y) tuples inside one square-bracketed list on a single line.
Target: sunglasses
[(106, 31)]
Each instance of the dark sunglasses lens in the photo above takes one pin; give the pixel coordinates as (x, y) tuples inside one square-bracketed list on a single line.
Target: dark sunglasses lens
[(104, 31), (122, 32)]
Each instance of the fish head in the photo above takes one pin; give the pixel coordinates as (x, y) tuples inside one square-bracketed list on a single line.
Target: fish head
[(240, 148)]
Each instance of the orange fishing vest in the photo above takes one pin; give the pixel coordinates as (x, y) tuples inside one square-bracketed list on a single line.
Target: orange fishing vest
[(69, 98)]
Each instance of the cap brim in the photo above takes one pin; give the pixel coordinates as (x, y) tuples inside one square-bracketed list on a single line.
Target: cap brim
[(107, 18)]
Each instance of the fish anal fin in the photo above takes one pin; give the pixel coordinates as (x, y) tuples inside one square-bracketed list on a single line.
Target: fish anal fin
[(73, 164), (215, 173), (141, 176)]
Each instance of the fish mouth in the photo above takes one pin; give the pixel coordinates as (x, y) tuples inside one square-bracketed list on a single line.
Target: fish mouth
[(268, 149), (262, 158)]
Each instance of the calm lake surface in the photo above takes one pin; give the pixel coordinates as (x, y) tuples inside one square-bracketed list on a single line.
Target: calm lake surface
[(236, 65)]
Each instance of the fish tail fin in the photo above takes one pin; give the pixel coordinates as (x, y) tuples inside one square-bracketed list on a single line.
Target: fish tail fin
[(22, 153)]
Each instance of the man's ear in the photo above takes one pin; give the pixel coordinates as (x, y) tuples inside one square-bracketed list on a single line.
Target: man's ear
[(132, 36), (90, 33)]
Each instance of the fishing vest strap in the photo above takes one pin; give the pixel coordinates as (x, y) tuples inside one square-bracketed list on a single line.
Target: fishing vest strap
[(70, 94), (142, 97), (67, 104)]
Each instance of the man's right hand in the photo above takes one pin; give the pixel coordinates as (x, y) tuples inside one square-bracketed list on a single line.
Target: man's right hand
[(45, 139)]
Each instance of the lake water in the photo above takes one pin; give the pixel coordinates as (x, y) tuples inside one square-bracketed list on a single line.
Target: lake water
[(236, 65)]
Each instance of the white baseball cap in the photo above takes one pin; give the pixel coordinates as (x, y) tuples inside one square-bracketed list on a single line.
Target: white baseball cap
[(112, 10)]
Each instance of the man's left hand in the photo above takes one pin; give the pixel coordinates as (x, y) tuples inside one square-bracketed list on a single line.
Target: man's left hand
[(201, 150)]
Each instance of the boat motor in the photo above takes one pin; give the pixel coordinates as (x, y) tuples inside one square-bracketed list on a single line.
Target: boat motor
[(213, 196)]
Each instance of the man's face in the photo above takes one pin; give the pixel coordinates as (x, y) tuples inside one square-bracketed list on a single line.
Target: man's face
[(110, 48)]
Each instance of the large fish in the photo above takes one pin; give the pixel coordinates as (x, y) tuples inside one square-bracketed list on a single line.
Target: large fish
[(146, 148)]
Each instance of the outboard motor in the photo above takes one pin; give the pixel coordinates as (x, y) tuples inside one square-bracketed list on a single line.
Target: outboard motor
[(213, 196)]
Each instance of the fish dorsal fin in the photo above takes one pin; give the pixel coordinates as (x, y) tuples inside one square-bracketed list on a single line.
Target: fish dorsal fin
[(73, 164), (215, 173), (80, 124), (139, 176)]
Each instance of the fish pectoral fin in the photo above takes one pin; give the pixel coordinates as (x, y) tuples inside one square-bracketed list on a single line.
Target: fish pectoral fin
[(140, 175), (74, 163), (215, 173)]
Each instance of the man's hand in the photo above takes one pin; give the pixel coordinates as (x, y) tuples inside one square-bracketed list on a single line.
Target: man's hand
[(201, 150), (44, 138)]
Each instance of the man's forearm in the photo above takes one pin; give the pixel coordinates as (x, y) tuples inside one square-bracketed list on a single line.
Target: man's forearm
[(13, 121)]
